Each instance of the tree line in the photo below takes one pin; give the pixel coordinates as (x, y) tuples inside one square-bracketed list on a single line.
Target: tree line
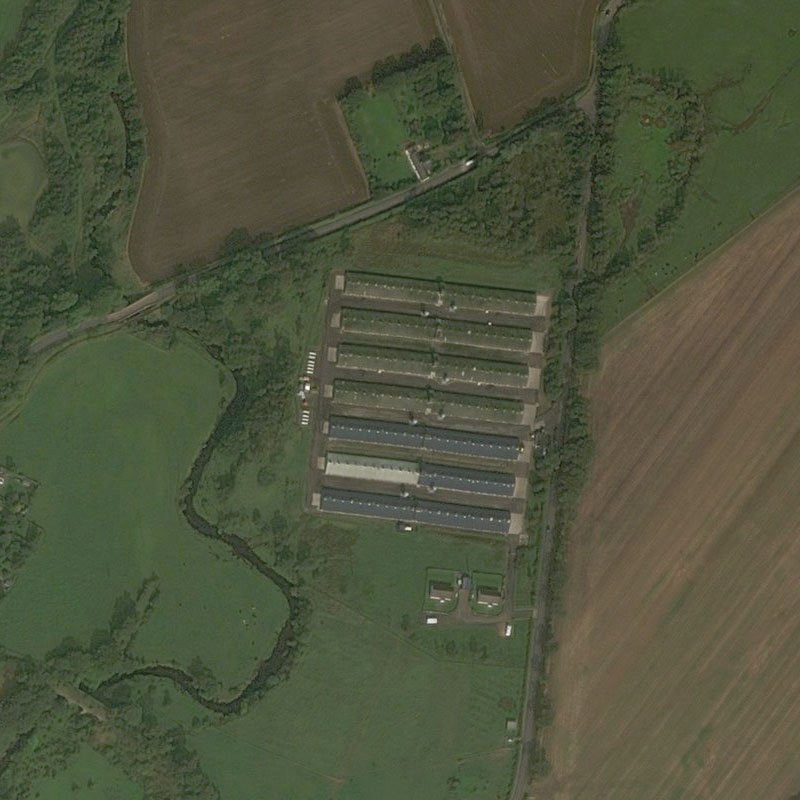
[(67, 69), (413, 58)]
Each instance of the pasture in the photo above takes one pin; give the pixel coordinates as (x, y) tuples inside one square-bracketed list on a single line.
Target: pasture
[(110, 429), (373, 708), (421, 104), (380, 133), (416, 251), (514, 58), (744, 64), (678, 668), (88, 776), (243, 126), (22, 177), (10, 19)]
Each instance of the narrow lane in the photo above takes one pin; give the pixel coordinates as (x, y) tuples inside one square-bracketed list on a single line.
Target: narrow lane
[(165, 291), (140, 306)]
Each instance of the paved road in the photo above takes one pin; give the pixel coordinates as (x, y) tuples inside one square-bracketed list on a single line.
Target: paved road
[(373, 208), (146, 303)]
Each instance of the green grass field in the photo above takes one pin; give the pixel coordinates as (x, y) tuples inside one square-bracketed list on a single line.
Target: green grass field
[(746, 66), (366, 715), (394, 247), (10, 19), (380, 133), (376, 706), (110, 429), (22, 177), (422, 105), (88, 776), (639, 183)]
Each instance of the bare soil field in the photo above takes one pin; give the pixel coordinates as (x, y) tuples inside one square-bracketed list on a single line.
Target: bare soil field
[(514, 58), (678, 668), (243, 126)]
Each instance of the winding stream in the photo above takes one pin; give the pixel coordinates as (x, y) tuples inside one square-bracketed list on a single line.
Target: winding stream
[(286, 645)]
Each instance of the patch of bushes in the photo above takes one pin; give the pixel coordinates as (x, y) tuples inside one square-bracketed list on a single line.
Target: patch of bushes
[(411, 59), (67, 70), (525, 199)]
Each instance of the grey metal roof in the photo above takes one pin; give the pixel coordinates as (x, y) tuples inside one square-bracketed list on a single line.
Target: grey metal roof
[(442, 440), (467, 480), (428, 512), (466, 517), (374, 505), (485, 445), (378, 432)]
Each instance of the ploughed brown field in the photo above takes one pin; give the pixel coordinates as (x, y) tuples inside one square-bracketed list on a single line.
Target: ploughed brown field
[(243, 125), (516, 53), (678, 669)]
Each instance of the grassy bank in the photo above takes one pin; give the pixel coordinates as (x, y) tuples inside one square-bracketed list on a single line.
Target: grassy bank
[(10, 19), (22, 177), (376, 681), (744, 66), (109, 430)]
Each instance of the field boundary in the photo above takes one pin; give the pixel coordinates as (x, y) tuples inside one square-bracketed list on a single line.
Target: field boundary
[(696, 426), (614, 334), (444, 31)]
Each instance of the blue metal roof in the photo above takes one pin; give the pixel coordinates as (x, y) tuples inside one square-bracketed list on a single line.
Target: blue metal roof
[(410, 509), (441, 440), (467, 480)]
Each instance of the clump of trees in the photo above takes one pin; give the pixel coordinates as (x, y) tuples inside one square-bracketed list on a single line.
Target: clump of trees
[(252, 318), (36, 291), (67, 69), (423, 89), (526, 199), (412, 59), (614, 251), (394, 64), (43, 730), (219, 311), (18, 534), (49, 708), (159, 759)]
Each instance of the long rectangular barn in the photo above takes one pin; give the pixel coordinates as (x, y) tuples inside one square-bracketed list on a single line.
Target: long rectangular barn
[(425, 437), (438, 293), (428, 392), (437, 367), (408, 509), (424, 474)]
